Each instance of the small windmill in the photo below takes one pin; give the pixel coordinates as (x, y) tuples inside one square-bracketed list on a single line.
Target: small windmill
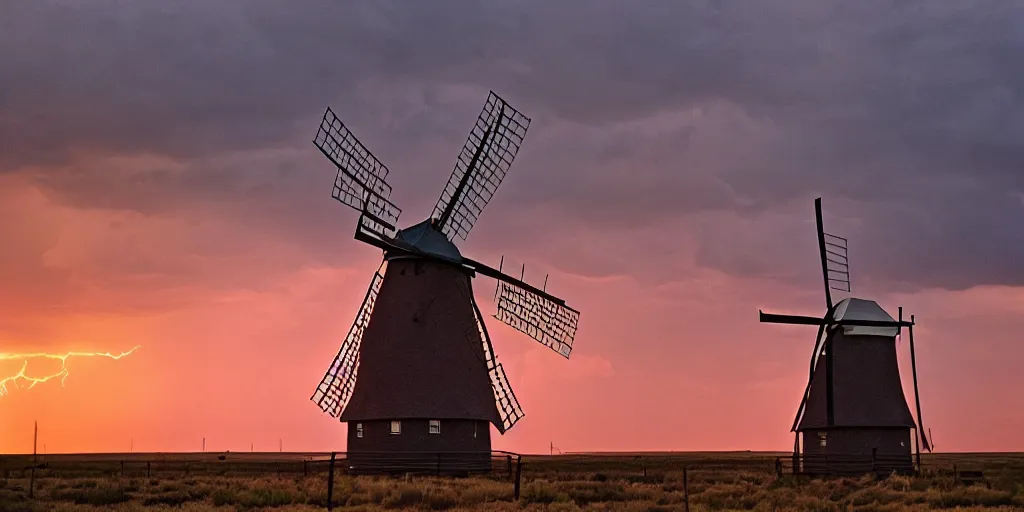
[(428, 379), (853, 416)]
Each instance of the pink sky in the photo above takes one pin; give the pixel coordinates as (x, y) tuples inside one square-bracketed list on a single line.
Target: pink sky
[(666, 185), (232, 349)]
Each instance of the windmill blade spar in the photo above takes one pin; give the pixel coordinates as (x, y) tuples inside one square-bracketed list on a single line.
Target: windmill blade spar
[(771, 318), (818, 345), (336, 387), (917, 394), (481, 166), (532, 311), (360, 183)]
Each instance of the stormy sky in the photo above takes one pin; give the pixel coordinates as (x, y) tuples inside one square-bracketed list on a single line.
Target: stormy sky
[(158, 183)]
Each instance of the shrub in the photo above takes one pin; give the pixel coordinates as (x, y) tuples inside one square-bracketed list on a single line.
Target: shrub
[(91, 495), (403, 495), (173, 499)]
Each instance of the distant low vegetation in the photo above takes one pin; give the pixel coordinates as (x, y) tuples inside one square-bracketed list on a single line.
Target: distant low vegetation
[(566, 483)]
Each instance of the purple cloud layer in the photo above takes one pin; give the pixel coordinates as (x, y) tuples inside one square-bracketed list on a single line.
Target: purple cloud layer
[(720, 120)]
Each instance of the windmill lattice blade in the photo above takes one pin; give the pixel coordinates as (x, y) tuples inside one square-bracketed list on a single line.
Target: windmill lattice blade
[(481, 166), (553, 325), (360, 182), (508, 407), (336, 387), (837, 262), (378, 228)]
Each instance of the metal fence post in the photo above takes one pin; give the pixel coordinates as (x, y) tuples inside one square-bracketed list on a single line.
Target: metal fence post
[(31, 481), (519, 476), (330, 482), (122, 469), (147, 468)]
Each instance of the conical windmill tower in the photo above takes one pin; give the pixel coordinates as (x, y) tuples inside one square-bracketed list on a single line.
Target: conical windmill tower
[(428, 380), (853, 417)]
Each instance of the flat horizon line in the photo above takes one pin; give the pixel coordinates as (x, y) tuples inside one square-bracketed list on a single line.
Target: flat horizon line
[(567, 453)]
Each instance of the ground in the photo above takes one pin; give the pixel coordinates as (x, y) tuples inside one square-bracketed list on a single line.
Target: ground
[(627, 482)]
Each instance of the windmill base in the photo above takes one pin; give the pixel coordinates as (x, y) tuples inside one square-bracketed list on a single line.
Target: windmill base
[(855, 451), (459, 447)]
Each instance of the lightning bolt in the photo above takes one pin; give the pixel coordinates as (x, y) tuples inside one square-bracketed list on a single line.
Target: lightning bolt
[(62, 373)]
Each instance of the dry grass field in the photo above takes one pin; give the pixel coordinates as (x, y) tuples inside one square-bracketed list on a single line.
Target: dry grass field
[(626, 482)]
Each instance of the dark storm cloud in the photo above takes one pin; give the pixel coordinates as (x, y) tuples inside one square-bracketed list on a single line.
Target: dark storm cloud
[(906, 117)]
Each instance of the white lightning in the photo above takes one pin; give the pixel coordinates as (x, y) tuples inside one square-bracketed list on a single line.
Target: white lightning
[(23, 376)]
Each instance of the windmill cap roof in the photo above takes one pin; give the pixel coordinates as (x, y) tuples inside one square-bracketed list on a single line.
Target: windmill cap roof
[(424, 237), (863, 309)]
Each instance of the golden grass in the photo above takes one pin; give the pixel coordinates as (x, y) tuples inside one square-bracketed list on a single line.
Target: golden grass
[(635, 482)]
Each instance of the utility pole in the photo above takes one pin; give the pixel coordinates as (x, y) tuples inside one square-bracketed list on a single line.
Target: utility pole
[(280, 445), (204, 444), (35, 439)]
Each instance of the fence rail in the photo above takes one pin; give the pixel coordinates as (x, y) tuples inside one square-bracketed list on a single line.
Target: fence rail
[(659, 468), (849, 464), (499, 465)]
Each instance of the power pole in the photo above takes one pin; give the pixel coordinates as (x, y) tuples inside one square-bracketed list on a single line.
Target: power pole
[(280, 445), (204, 444), (35, 439)]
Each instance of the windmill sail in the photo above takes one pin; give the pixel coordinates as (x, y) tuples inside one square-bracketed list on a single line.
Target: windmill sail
[(509, 409), (481, 166), (837, 262), (360, 182), (336, 387), (550, 323)]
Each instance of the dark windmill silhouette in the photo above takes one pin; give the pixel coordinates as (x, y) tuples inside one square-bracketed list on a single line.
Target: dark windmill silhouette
[(428, 379), (853, 417)]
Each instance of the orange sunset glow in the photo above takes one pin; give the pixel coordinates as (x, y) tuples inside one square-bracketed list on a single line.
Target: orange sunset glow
[(173, 266)]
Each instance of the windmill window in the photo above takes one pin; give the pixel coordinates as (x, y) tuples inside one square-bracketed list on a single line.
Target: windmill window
[(435, 426), (396, 427), (359, 430), (822, 439)]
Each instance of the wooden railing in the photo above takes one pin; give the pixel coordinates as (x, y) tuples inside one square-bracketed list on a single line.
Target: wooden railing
[(845, 464)]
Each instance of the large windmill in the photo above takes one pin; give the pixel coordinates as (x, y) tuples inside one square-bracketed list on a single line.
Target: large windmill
[(853, 416), (428, 379)]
